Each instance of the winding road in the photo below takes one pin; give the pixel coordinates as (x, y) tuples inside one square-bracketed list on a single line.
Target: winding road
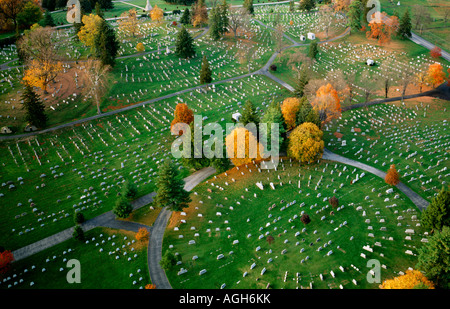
[(108, 219)]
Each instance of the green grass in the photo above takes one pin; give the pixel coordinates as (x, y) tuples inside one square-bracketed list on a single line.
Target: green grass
[(242, 214), (408, 136), (98, 270)]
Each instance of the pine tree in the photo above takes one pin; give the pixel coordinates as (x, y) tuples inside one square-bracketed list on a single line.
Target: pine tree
[(354, 15), (273, 115), (186, 17), (302, 81), (223, 17), (313, 50), (248, 5), (78, 233), (106, 44), (249, 114), (170, 190), (123, 208), (437, 214), (205, 72), (47, 20), (184, 46), (214, 24), (35, 109), (106, 4), (434, 258), (404, 30)]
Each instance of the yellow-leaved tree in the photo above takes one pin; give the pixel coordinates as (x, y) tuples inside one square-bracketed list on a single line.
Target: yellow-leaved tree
[(156, 14), (289, 109), (40, 74), (243, 147), (305, 143), (140, 47), (412, 279), (129, 23), (89, 29)]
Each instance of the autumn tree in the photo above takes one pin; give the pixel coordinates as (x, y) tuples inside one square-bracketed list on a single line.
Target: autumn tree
[(327, 103), (95, 77), (157, 14), (248, 5), (243, 147), (199, 14), (30, 14), (392, 177), (412, 279), (239, 18), (142, 234), (341, 5), (334, 202), (305, 219), (436, 52), (305, 143), (89, 30), (435, 74), (290, 108), (129, 23), (420, 78), (10, 9), (41, 54), (383, 29), (182, 114), (6, 258), (140, 48), (34, 108)]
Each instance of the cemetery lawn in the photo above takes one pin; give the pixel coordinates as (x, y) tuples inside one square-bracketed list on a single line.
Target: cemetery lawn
[(414, 136), (99, 269), (219, 215)]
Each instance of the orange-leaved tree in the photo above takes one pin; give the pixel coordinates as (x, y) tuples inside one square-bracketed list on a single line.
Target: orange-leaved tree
[(392, 177), (435, 74), (140, 47), (327, 103), (305, 143), (142, 234), (410, 280), (289, 109), (182, 114), (383, 29), (243, 147)]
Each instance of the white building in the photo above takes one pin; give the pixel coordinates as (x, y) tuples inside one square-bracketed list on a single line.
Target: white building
[(311, 36)]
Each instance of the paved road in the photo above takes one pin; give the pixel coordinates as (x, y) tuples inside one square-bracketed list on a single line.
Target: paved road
[(420, 202), (421, 41)]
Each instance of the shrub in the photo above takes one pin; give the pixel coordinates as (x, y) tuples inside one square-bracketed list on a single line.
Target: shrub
[(273, 67), (334, 202), (123, 208), (78, 233), (305, 219), (78, 218)]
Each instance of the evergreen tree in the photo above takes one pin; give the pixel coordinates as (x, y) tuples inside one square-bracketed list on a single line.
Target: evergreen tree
[(248, 5), (404, 30), (437, 214), (123, 208), (249, 114), (186, 17), (196, 160), (129, 190), (302, 81), (78, 233), (205, 72), (291, 6), (168, 260), (170, 190), (223, 17), (106, 4), (307, 5), (98, 10), (86, 7), (314, 117), (434, 258), (106, 44), (354, 15), (47, 20), (304, 111), (313, 50), (35, 109), (184, 46), (214, 24), (273, 115)]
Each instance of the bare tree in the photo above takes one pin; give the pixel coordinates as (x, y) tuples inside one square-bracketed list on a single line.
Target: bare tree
[(388, 75), (369, 84), (95, 77), (278, 34), (421, 16), (406, 77), (238, 18)]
